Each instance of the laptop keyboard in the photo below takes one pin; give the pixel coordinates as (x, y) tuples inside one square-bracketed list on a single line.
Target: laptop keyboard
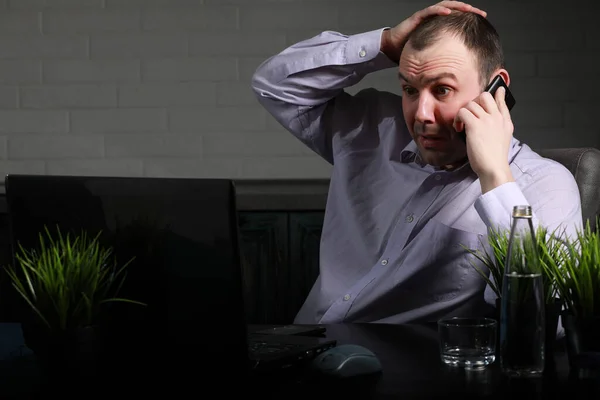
[(258, 347)]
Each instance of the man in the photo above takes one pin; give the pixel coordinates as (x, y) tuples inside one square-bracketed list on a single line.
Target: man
[(406, 193)]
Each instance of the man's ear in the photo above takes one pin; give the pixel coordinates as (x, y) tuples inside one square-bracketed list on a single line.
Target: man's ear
[(503, 73)]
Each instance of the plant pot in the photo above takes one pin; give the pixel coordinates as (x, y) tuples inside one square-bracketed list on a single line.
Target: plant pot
[(583, 341), (61, 354)]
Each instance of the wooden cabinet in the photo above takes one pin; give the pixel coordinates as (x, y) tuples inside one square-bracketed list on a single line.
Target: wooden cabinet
[(280, 257)]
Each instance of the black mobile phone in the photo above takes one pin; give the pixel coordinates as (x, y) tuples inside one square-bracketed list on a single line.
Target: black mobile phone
[(492, 87)]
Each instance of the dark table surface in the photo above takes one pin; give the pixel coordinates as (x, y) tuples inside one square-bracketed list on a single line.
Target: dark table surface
[(409, 355), (412, 369)]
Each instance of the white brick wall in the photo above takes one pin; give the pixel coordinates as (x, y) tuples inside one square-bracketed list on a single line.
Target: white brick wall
[(161, 87)]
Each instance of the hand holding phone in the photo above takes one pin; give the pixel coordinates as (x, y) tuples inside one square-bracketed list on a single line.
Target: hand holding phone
[(491, 88)]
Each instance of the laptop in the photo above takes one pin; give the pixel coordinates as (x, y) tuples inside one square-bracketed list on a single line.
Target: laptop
[(182, 234)]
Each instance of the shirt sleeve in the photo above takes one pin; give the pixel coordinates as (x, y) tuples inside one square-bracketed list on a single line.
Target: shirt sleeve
[(303, 86), (553, 196), (495, 207)]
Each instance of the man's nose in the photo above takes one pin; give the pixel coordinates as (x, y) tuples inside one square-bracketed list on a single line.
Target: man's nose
[(425, 109)]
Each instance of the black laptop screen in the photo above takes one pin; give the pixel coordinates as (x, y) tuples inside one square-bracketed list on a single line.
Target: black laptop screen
[(180, 233)]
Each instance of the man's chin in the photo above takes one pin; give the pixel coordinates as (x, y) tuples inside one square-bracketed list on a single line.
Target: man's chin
[(438, 159), (434, 163), (433, 157)]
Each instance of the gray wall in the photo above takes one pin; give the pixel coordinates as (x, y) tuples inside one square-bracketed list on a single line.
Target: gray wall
[(161, 87)]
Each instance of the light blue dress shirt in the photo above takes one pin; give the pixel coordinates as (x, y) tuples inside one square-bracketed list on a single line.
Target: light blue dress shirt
[(394, 228)]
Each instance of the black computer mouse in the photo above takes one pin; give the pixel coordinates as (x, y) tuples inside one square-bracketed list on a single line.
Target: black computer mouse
[(345, 361)]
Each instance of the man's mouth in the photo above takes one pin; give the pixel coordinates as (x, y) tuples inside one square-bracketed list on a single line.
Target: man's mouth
[(432, 141), (433, 137)]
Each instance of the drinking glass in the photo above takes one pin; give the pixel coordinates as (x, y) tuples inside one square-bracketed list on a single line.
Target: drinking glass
[(467, 342)]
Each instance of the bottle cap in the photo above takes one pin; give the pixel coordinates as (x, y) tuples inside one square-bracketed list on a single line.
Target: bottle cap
[(522, 212)]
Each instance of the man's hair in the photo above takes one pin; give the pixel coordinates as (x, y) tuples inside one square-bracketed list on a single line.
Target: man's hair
[(475, 31)]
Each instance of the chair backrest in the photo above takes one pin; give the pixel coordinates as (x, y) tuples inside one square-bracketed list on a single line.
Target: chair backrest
[(584, 164)]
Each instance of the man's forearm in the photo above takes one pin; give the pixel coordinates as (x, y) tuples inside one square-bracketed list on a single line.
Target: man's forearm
[(497, 178), (495, 207), (297, 85), (313, 71)]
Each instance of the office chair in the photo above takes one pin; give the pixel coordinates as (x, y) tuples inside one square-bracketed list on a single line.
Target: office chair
[(584, 164)]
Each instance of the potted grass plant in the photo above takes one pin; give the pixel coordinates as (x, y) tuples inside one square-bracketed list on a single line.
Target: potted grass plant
[(577, 279), (491, 264), (67, 284)]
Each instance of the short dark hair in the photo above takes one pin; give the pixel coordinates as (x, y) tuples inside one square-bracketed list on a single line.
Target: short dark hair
[(476, 32)]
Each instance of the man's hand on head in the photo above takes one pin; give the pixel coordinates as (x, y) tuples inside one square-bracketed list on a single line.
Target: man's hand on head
[(393, 40), (489, 130)]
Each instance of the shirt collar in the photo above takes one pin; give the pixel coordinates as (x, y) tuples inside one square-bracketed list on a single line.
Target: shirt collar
[(410, 153)]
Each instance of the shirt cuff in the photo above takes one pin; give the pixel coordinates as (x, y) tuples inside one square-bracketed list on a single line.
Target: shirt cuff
[(496, 206), (366, 48)]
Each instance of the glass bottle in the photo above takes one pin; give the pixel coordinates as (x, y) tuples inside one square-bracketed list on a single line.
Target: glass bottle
[(522, 319)]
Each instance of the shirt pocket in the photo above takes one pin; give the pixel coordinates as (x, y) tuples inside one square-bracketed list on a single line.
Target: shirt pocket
[(438, 264)]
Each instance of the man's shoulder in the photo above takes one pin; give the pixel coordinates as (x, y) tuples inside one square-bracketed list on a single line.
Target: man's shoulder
[(533, 166), (379, 122), (372, 106)]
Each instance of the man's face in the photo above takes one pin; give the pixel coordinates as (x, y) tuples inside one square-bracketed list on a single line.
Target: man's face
[(436, 83)]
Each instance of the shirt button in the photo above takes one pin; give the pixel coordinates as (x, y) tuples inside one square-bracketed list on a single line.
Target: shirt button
[(438, 177), (362, 53), (384, 262), (410, 218), (347, 297)]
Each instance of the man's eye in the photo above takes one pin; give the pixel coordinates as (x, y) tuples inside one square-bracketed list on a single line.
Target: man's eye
[(409, 90), (443, 90)]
